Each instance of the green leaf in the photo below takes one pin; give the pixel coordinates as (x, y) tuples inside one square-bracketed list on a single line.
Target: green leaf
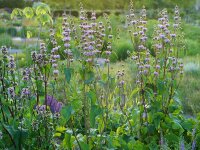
[(76, 104), (68, 74), (90, 76), (29, 34), (66, 112), (84, 146), (176, 126), (92, 96), (95, 111), (188, 124), (44, 19), (100, 125), (42, 9), (172, 138), (60, 129), (157, 117), (16, 12), (135, 91), (28, 12), (57, 134), (67, 141), (17, 135), (138, 145)]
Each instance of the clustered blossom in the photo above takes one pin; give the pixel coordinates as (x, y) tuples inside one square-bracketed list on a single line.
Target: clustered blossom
[(121, 83), (137, 31), (11, 92), (66, 36), (109, 37), (165, 41), (4, 50), (54, 53), (54, 105), (26, 74), (40, 58), (41, 110), (92, 37), (11, 64), (8, 60), (25, 92)]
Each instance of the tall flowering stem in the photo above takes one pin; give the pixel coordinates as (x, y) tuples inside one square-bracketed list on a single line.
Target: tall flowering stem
[(137, 31)]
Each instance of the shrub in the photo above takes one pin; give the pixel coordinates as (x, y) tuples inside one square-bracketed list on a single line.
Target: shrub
[(12, 31), (193, 47), (23, 32), (2, 30), (121, 48), (5, 39), (21, 60)]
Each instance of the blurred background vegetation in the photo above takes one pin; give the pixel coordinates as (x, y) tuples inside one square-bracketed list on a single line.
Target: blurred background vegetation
[(13, 33)]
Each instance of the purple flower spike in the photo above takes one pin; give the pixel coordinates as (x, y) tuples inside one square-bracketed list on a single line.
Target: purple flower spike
[(49, 100), (58, 107), (54, 105)]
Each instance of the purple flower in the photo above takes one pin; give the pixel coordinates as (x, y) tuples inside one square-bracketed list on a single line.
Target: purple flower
[(54, 105), (58, 107)]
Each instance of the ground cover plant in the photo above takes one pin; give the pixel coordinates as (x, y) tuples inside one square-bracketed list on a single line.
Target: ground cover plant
[(67, 96)]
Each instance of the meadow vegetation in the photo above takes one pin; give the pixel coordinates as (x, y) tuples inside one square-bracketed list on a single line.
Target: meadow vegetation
[(108, 82)]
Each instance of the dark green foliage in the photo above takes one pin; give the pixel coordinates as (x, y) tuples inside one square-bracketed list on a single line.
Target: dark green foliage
[(13, 4), (12, 31), (122, 48), (5, 39)]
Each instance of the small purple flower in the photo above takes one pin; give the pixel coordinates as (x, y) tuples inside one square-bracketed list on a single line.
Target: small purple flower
[(67, 45), (156, 74), (173, 35)]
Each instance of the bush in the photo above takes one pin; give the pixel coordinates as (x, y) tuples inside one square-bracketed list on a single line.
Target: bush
[(5, 39), (191, 31), (121, 48), (20, 60), (2, 30), (12, 31), (23, 32), (193, 47)]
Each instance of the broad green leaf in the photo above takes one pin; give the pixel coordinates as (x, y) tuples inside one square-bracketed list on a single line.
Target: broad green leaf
[(16, 12), (42, 9), (66, 112), (92, 96), (19, 136), (89, 77), (138, 146), (100, 125), (67, 141), (135, 91), (172, 138), (57, 134), (60, 129), (68, 74), (188, 124), (76, 104), (28, 12), (44, 19), (177, 126), (84, 146), (95, 111), (29, 34)]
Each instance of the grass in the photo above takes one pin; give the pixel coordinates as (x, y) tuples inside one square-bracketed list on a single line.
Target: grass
[(189, 87)]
